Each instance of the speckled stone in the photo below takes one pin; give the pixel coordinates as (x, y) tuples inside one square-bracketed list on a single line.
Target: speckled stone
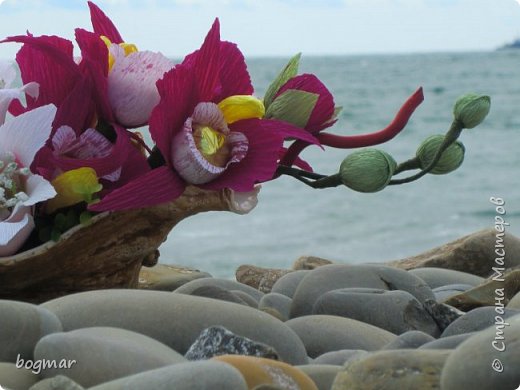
[(394, 370), (475, 320), (101, 354), (279, 302), (396, 311), (226, 284), (437, 277), (444, 292), (338, 276), (324, 333), (448, 342), (340, 357), (442, 314), (164, 317), (200, 375), (321, 374), (22, 325), (217, 340), (288, 283), (409, 340), (58, 382), (309, 262), (258, 371), (259, 278), (14, 378), (470, 364), (167, 277)]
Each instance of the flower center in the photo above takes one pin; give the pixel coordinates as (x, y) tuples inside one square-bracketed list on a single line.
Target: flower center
[(128, 49), (12, 178), (211, 144)]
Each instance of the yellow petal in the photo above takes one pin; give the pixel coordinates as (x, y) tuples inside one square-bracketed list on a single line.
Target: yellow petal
[(75, 186), (111, 58), (239, 107), (129, 48)]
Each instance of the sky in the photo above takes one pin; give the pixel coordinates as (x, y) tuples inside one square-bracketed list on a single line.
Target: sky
[(280, 27)]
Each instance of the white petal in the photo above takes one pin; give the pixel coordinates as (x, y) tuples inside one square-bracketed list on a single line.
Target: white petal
[(8, 95), (7, 73), (131, 86), (38, 189), (63, 139), (25, 134), (243, 202), (15, 230)]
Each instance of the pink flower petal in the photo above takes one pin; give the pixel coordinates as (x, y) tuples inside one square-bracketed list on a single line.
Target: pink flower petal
[(300, 163), (208, 114), (244, 202), (26, 134), (38, 189), (15, 230), (234, 77), (131, 86), (288, 130), (158, 186), (102, 24)]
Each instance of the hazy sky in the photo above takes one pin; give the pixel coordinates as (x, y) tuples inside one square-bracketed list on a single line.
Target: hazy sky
[(280, 27)]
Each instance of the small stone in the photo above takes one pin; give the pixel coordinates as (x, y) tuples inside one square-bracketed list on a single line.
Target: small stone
[(22, 325), (514, 303), (247, 298), (279, 302), (485, 362), (167, 277), (217, 340), (448, 342), (259, 371), (444, 292), (442, 314), (226, 284), (474, 254), (91, 356), (396, 311), (325, 333), (58, 382), (340, 357), (14, 378), (476, 319), (322, 375), (409, 340), (288, 283), (260, 278), (200, 375), (218, 293), (486, 293), (437, 277), (394, 370), (309, 263)]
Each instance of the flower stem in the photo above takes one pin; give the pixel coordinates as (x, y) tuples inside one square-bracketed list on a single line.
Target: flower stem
[(408, 165)]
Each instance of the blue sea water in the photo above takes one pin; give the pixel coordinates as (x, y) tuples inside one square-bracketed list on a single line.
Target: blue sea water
[(292, 220)]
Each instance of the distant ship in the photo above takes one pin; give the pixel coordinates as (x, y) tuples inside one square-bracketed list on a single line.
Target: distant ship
[(513, 45)]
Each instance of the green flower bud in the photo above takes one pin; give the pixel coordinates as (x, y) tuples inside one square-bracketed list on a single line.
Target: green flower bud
[(450, 160), (367, 170), (471, 109)]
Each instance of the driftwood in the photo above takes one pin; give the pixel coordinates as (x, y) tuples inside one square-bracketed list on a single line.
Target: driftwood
[(106, 253)]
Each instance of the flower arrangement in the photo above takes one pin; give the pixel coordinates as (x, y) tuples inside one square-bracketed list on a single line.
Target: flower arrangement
[(71, 149)]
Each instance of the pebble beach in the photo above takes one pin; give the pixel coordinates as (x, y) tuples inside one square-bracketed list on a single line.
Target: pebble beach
[(445, 319)]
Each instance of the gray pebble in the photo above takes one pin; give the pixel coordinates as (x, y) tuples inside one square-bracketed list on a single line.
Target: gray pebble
[(58, 382), (288, 283), (475, 320), (226, 284), (409, 340), (279, 302), (437, 277), (15, 378), (444, 292), (448, 342), (321, 374), (339, 357)]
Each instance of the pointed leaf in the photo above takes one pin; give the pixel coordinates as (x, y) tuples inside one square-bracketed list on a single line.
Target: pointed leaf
[(289, 71), (293, 106)]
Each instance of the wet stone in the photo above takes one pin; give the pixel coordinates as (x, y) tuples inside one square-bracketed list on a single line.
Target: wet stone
[(217, 340), (476, 319)]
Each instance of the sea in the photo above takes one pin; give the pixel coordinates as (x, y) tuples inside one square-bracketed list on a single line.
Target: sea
[(293, 220)]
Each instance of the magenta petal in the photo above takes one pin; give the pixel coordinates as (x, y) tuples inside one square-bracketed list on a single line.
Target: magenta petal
[(298, 162), (260, 162), (158, 186), (102, 24), (288, 130), (234, 77), (177, 102), (324, 109)]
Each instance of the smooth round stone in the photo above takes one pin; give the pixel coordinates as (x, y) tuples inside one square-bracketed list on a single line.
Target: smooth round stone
[(279, 302), (288, 283), (475, 320), (22, 325), (449, 342), (218, 293), (514, 303), (167, 277), (409, 340), (58, 382), (101, 354), (338, 276), (444, 292), (394, 370), (174, 319), (323, 333), (438, 277), (14, 378), (470, 364), (226, 284), (340, 357), (200, 375), (396, 311), (260, 371), (246, 298), (321, 374)]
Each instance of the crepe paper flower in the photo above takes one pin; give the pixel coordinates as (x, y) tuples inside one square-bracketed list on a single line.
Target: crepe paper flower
[(7, 94), (20, 140), (72, 187), (362, 140), (208, 129)]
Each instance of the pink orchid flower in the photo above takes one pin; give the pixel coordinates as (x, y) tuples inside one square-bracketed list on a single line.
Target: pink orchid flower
[(209, 130), (20, 189)]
